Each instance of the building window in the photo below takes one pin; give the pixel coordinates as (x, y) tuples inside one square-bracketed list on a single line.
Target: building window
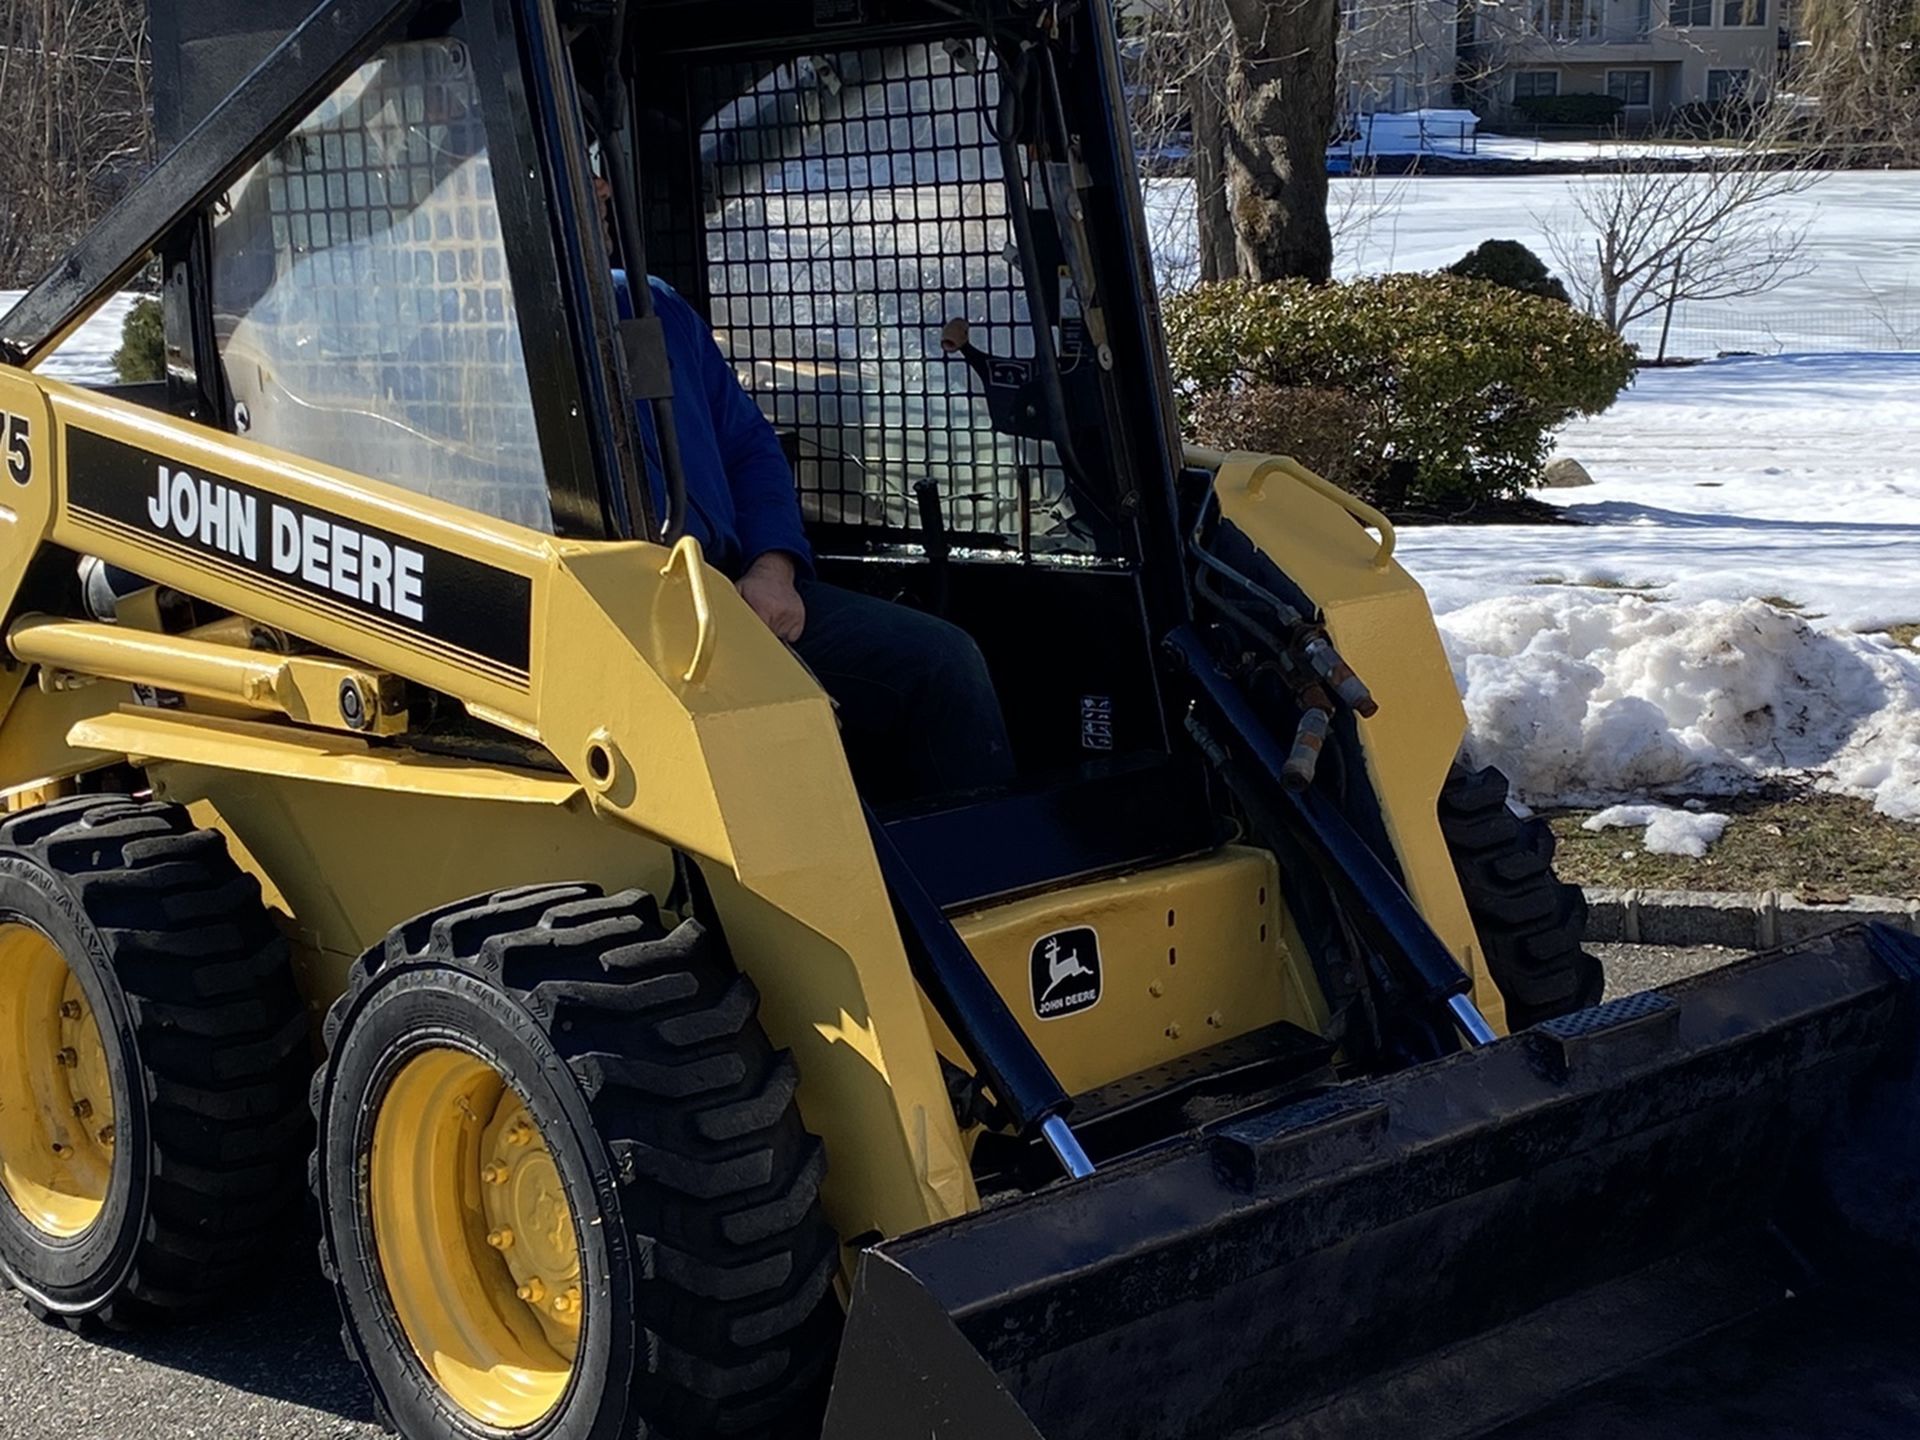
[(1684, 13), (1535, 84), (1743, 14), (1727, 84), (1631, 87)]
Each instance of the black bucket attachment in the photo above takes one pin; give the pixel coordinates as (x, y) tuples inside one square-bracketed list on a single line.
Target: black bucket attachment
[(1690, 1213)]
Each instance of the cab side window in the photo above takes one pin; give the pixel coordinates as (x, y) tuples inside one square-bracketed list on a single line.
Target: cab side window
[(362, 305)]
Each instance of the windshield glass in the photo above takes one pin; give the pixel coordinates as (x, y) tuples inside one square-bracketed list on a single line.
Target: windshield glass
[(361, 297)]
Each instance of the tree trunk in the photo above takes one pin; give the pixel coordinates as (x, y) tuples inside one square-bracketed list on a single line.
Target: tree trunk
[(1206, 99), (1281, 93)]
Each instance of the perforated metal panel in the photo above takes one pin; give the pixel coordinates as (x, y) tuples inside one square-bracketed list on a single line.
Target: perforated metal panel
[(852, 204), (361, 295)]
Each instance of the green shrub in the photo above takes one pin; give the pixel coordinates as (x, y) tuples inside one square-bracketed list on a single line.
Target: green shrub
[(142, 355), (1509, 263), (1329, 431), (1467, 379), (1570, 109)]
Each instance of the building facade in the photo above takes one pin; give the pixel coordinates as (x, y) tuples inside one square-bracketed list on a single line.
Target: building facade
[(1398, 55), (1654, 56)]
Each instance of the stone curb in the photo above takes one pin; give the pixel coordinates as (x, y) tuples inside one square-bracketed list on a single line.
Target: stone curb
[(1739, 922)]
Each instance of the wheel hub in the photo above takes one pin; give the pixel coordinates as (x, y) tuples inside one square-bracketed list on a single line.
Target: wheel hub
[(57, 1119), (476, 1238), (530, 1223)]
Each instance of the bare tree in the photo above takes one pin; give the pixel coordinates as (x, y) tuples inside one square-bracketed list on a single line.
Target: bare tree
[(1635, 244), (76, 111), (1858, 64)]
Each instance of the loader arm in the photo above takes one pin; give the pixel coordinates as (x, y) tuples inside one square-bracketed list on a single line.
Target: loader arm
[(583, 649)]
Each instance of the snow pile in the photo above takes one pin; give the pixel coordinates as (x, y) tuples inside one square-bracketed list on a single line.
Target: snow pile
[(1582, 700), (1669, 831)]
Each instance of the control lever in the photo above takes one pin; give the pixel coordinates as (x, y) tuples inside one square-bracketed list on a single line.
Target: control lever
[(933, 532), (1014, 400)]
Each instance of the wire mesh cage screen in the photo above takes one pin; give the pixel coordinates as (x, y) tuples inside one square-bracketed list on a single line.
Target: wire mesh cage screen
[(853, 203), (361, 296)]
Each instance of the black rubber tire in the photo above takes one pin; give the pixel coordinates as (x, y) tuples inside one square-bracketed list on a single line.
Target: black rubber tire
[(208, 1052), (695, 1189), (1531, 925)]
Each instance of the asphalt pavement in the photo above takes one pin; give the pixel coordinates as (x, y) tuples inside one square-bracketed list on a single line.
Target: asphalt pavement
[(272, 1368)]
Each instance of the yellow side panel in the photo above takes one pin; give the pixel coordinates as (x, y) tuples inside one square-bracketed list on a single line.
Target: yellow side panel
[(683, 722), (27, 487), (1190, 955), (1381, 623)]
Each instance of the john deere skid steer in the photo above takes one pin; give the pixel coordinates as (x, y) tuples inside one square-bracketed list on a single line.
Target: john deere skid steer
[(403, 813)]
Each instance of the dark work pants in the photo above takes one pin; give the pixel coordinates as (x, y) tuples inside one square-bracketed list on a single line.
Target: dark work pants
[(917, 707)]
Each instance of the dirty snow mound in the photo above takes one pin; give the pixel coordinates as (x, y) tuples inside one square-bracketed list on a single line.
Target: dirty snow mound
[(1582, 700), (1669, 831)]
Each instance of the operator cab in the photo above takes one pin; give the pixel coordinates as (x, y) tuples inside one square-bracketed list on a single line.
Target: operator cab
[(922, 257)]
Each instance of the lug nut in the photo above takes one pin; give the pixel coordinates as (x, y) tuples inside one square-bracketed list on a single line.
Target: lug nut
[(500, 1239), (106, 1134), (567, 1302), (520, 1135), (533, 1292), (68, 1058), (82, 1109), (496, 1174), (71, 1010)]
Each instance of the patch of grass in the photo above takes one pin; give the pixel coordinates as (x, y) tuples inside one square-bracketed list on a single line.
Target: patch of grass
[(1818, 846), (1780, 602), (1645, 589), (1904, 635)]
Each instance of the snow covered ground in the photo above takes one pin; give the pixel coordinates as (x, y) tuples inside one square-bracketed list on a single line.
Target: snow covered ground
[(88, 354), (1723, 492), (1861, 290), (1455, 135), (1638, 654)]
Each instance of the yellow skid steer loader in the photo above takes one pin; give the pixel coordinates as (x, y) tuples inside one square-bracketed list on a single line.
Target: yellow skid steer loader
[(403, 811)]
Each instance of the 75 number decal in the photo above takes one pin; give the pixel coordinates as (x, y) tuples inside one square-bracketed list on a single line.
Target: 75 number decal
[(16, 452)]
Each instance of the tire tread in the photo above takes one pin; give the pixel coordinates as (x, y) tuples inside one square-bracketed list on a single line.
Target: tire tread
[(219, 1027), (719, 1183), (1531, 924)]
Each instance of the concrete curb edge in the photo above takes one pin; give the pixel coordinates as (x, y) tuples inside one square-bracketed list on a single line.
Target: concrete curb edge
[(1739, 922)]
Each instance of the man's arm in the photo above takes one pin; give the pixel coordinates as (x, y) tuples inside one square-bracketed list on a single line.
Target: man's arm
[(766, 507)]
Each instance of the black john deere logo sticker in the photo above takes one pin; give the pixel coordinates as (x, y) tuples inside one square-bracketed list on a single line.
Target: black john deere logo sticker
[(1066, 973), (473, 613)]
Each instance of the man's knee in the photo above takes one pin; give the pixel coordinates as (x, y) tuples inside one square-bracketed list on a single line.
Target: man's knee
[(941, 650)]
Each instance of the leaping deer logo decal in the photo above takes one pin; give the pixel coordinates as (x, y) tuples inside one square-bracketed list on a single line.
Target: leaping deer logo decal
[(1062, 968), (1065, 970)]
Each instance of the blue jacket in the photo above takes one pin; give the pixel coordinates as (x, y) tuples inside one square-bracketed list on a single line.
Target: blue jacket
[(741, 501)]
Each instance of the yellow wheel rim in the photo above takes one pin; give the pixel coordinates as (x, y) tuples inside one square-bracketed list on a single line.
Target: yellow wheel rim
[(476, 1239), (56, 1092)]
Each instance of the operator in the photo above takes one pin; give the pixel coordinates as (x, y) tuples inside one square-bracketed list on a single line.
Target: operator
[(917, 707)]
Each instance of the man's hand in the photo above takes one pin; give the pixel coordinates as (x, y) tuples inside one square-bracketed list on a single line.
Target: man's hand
[(768, 588)]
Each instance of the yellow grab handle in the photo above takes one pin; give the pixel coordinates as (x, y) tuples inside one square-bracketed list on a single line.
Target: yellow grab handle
[(1217, 460), (688, 549)]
